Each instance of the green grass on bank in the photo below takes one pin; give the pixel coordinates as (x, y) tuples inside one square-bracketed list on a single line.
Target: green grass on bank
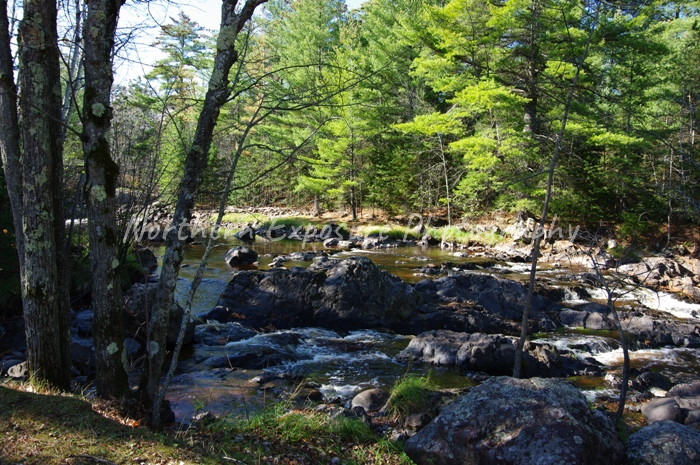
[(64, 429), (305, 436), (411, 394), (397, 232)]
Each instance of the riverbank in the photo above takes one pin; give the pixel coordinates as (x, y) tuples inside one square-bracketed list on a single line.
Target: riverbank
[(51, 428)]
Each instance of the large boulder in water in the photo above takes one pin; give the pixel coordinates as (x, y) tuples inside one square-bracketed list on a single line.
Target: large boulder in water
[(664, 442), (241, 255), (493, 354), (503, 298), (352, 294), (517, 421)]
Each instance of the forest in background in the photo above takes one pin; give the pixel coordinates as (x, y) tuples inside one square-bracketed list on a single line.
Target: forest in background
[(409, 106), (418, 107)]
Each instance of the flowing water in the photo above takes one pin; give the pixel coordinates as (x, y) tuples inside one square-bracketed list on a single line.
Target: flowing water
[(340, 365)]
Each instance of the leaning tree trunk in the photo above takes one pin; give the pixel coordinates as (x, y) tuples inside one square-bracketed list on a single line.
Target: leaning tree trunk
[(195, 164), (100, 189), (517, 365), (44, 284)]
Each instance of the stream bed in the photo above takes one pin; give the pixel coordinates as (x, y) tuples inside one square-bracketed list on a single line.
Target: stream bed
[(337, 365)]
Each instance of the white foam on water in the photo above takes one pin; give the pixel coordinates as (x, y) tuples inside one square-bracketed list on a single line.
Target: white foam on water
[(581, 345), (659, 301), (670, 357)]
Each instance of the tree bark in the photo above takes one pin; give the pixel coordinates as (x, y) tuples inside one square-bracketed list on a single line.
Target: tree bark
[(44, 280), (100, 188), (195, 164)]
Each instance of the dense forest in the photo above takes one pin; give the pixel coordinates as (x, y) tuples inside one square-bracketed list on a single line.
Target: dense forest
[(410, 106)]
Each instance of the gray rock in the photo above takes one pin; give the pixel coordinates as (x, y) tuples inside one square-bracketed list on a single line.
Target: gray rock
[(664, 443), (241, 255), (663, 409), (491, 353), (691, 410), (685, 390), (371, 400), (217, 334), (137, 301), (515, 421), (504, 298)]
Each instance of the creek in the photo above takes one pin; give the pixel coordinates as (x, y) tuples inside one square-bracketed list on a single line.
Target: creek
[(340, 364)]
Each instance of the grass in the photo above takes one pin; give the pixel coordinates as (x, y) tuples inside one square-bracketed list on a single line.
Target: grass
[(305, 436), (53, 428), (411, 394), (458, 235), (394, 232)]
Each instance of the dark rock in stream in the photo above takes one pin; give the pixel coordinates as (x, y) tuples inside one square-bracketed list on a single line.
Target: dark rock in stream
[(504, 298), (241, 255), (517, 421), (213, 334), (352, 294), (493, 354)]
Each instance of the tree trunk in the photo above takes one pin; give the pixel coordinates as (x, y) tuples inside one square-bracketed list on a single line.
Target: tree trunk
[(100, 189), (195, 163), (44, 284), (9, 142), (517, 365)]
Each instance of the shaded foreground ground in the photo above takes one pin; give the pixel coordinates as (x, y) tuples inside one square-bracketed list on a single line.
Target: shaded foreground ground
[(64, 429)]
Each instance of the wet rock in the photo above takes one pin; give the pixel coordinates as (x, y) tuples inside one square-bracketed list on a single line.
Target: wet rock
[(492, 354), (241, 255), (515, 421), (331, 242), (371, 400), (663, 409), (352, 294), (141, 297), (664, 442), (502, 297), (301, 256), (649, 379), (584, 319), (215, 334), (259, 352)]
